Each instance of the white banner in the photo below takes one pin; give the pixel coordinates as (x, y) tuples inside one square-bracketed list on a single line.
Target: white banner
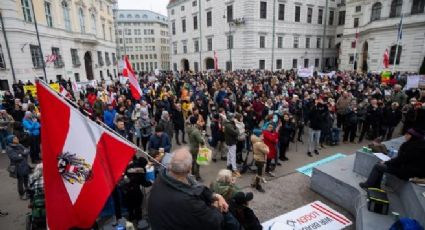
[(415, 81), (315, 215), (305, 72), (330, 75)]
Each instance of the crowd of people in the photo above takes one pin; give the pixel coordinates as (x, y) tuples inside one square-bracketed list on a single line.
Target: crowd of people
[(234, 113)]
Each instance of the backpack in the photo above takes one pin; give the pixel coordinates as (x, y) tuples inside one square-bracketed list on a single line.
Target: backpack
[(406, 224)]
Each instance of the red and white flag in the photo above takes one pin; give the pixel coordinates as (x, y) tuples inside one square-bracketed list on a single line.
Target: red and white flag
[(127, 71), (64, 92), (386, 59), (82, 163), (215, 61)]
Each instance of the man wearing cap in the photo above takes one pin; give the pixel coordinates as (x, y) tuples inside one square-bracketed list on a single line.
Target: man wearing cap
[(178, 202), (159, 140), (408, 163)]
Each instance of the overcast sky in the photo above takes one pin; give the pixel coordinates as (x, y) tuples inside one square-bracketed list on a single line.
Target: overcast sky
[(159, 6)]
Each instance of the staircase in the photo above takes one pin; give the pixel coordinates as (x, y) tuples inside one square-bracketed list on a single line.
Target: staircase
[(339, 182)]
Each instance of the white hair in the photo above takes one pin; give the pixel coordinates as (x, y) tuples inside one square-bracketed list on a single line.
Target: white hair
[(224, 176)]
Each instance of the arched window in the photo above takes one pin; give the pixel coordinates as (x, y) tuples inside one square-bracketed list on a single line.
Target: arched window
[(145, 16), (418, 6), (93, 24), (376, 11), (137, 16), (392, 54), (121, 15), (129, 16), (81, 17), (66, 18), (396, 6)]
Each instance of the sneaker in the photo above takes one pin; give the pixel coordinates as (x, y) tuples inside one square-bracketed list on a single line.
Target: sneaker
[(4, 213), (316, 152), (23, 197), (270, 174), (363, 185), (309, 154), (236, 174), (263, 179), (260, 189)]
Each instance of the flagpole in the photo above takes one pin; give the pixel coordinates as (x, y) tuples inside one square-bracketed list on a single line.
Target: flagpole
[(98, 122), (398, 42), (355, 51), (39, 43)]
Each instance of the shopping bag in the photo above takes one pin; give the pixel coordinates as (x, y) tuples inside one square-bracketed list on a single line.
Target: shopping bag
[(204, 156)]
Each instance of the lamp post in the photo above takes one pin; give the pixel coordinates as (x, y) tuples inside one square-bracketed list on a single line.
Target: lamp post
[(324, 35), (39, 43)]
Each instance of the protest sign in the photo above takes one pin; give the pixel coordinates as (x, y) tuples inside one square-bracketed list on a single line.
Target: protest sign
[(305, 72), (315, 215), (415, 81), (33, 89)]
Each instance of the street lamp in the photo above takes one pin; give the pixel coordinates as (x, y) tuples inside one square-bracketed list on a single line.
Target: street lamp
[(233, 22)]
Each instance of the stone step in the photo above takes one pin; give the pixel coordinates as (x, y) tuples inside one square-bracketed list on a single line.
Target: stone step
[(364, 163)]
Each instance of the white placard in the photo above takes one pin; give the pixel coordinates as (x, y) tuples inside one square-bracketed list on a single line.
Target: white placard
[(382, 156), (315, 215), (330, 75), (412, 81), (305, 72)]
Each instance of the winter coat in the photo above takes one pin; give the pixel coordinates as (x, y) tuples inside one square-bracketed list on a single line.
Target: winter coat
[(286, 131), (317, 117), (179, 206), (109, 117), (241, 129), (145, 127), (231, 133), (156, 142), (271, 139), (391, 117), (167, 127), (399, 97), (217, 133), (374, 116), (227, 190), (32, 127), (195, 139), (178, 119), (409, 161), (18, 156), (245, 216), (342, 105), (351, 119), (260, 149)]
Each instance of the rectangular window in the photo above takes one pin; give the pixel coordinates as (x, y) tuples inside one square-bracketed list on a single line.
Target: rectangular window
[(307, 43), (330, 43), (75, 59), (279, 64), (331, 17), (66, 17), (184, 25), (196, 66), (114, 59), (296, 42), (356, 22), (297, 13), (184, 48), (175, 66), (351, 59), (279, 42), (262, 64), (309, 15), (77, 77), (294, 63), (263, 10), (209, 44), (341, 18), (26, 9), (230, 42), (306, 63), (196, 45), (281, 16), (37, 60), (318, 42), (194, 3), (262, 42), (228, 66), (107, 60), (48, 11), (229, 13), (358, 8), (2, 61), (173, 28), (99, 58), (58, 63), (195, 22), (209, 19), (182, 8), (320, 16), (316, 62)]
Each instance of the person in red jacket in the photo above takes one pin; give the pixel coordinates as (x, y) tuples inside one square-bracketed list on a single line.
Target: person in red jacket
[(271, 137)]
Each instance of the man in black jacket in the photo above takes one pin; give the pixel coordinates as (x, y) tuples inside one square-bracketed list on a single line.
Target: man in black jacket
[(316, 119), (178, 202), (407, 164), (178, 120)]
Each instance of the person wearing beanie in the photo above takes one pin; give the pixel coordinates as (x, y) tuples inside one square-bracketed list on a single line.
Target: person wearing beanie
[(159, 140), (196, 140), (407, 164), (167, 124), (239, 207), (18, 155), (145, 126)]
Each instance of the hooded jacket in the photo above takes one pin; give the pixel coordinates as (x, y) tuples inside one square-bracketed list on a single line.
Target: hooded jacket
[(260, 149), (231, 133), (18, 157), (195, 139), (179, 206)]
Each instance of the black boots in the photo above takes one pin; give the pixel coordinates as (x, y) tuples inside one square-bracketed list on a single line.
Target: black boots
[(256, 184)]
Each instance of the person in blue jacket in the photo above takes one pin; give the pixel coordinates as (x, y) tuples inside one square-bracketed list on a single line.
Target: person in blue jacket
[(32, 127), (159, 140), (109, 116)]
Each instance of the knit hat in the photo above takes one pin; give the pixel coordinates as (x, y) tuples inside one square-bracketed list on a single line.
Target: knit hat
[(416, 133), (242, 198), (192, 120), (9, 139)]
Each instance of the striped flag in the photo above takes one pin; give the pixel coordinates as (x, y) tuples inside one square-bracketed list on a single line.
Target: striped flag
[(128, 72), (386, 59)]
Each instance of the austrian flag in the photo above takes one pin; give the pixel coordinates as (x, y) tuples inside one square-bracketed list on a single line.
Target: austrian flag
[(82, 163)]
